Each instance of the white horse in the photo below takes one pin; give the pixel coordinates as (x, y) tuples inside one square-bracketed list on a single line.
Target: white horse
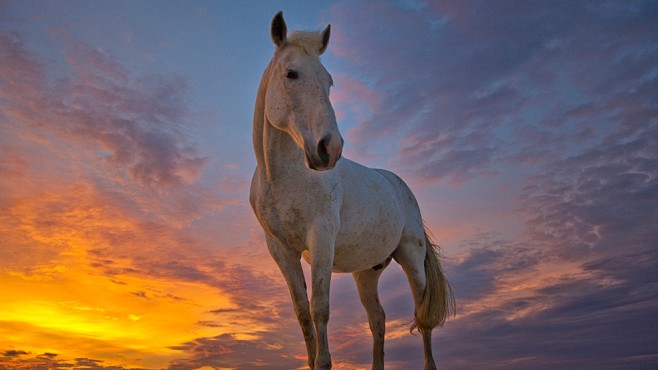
[(336, 214)]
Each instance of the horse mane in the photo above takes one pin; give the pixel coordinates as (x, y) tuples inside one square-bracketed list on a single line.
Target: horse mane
[(309, 41)]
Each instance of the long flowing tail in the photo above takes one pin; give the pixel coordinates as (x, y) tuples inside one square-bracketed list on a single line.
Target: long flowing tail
[(438, 301)]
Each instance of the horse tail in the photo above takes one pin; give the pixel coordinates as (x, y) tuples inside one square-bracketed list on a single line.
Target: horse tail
[(438, 300)]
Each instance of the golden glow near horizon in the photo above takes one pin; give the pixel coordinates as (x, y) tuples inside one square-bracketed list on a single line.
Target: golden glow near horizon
[(69, 306), (117, 317), (144, 316), (110, 276)]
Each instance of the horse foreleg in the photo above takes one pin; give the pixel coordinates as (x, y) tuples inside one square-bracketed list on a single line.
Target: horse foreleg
[(366, 283), (322, 260), (290, 265)]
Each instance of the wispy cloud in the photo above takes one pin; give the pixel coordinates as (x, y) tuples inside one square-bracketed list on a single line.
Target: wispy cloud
[(464, 90), (134, 124)]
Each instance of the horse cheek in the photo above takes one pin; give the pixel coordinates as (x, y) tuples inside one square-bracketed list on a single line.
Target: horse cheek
[(277, 110)]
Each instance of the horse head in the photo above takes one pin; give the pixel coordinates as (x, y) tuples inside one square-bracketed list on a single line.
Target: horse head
[(297, 96)]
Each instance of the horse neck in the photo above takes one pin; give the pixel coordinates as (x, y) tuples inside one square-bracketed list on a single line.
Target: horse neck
[(276, 153), (259, 119)]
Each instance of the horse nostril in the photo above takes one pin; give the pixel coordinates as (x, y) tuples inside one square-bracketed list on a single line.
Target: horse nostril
[(323, 153)]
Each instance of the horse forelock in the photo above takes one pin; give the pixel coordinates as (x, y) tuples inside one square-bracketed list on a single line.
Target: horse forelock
[(309, 41)]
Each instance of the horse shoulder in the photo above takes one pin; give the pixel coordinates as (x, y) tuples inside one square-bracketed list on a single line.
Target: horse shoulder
[(289, 211)]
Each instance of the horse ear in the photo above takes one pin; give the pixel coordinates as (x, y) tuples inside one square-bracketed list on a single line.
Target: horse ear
[(325, 38), (279, 29)]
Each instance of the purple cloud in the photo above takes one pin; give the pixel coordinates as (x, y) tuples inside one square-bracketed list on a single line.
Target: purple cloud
[(133, 123), (467, 85)]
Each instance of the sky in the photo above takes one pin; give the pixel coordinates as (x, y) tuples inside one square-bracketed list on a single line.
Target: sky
[(528, 131)]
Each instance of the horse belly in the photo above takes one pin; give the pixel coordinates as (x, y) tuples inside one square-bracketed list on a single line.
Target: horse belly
[(368, 237), (358, 258)]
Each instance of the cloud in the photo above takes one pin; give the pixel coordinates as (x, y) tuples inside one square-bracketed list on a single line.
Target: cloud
[(134, 124), (464, 90), (573, 329), (14, 353), (599, 200), (232, 352), (20, 359), (582, 273), (262, 327), (520, 306), (99, 157), (13, 165), (355, 101)]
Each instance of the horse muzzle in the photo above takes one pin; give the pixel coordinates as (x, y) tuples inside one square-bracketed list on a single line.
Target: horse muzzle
[(325, 154)]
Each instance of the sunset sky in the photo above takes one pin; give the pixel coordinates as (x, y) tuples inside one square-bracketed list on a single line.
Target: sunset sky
[(528, 131)]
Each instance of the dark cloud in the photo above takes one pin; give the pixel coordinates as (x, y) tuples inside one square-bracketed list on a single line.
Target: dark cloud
[(16, 359), (261, 298), (587, 323), (140, 294), (228, 351), (602, 201), (474, 277), (14, 353)]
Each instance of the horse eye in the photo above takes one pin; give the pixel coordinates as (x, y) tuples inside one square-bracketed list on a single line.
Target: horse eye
[(293, 75)]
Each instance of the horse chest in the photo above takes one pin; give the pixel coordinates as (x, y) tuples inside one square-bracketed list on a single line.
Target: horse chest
[(287, 213)]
